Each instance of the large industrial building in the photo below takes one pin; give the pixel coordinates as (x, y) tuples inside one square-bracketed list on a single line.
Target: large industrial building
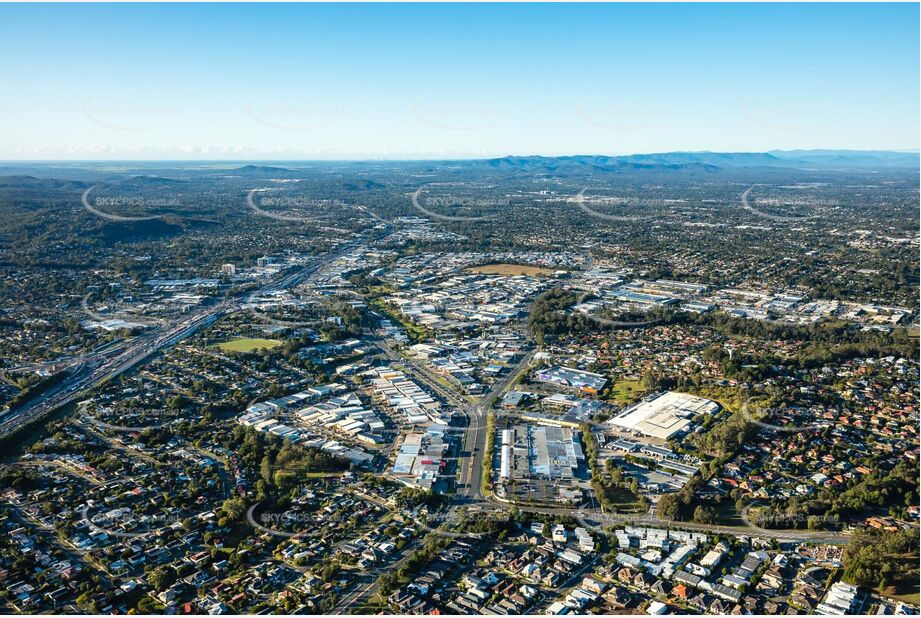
[(406, 399), (533, 452), (420, 459), (664, 415)]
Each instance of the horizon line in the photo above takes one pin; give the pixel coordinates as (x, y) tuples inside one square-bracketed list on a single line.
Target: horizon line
[(449, 158)]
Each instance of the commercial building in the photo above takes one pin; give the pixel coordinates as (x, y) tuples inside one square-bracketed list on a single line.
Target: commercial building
[(419, 462), (663, 415), (404, 397), (573, 378), (554, 452), (530, 451)]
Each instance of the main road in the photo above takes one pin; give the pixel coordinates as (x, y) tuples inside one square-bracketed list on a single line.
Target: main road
[(473, 450), (473, 453), (88, 375)]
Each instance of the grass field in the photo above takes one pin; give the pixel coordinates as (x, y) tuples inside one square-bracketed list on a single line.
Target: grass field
[(248, 345), (725, 510), (623, 500), (509, 269), (627, 391), (906, 588), (909, 593)]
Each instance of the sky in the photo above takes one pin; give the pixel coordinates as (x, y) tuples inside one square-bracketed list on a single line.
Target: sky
[(435, 81)]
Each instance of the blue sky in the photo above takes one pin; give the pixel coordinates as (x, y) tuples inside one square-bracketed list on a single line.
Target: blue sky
[(206, 81)]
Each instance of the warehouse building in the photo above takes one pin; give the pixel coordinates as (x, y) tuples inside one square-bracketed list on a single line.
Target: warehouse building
[(664, 415), (573, 378)]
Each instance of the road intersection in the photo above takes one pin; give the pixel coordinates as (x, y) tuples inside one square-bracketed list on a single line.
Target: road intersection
[(471, 459), (469, 491), (88, 375)]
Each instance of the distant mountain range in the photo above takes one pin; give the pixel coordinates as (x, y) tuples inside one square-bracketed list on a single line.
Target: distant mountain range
[(862, 158), (154, 174), (595, 163), (713, 161)]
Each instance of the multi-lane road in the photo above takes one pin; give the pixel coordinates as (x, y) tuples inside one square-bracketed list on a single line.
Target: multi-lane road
[(92, 372), (473, 449), (89, 374), (473, 452)]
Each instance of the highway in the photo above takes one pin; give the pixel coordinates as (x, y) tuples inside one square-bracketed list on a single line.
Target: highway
[(89, 374), (93, 370)]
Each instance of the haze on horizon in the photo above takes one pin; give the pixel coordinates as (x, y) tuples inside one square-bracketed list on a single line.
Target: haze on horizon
[(352, 81)]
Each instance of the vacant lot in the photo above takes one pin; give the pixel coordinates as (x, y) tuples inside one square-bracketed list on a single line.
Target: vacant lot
[(627, 391), (248, 345), (905, 590), (623, 500), (509, 269)]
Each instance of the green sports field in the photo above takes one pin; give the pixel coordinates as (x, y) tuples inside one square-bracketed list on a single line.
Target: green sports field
[(248, 345)]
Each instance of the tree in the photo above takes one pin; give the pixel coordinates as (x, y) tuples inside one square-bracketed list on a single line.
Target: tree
[(234, 507), (634, 485), (265, 469), (147, 605), (385, 582), (873, 555), (160, 579), (669, 506), (704, 515)]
